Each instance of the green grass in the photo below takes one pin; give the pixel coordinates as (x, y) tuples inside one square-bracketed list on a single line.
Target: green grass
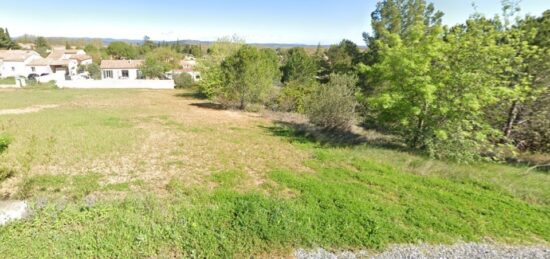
[(7, 81), (267, 190), (367, 205)]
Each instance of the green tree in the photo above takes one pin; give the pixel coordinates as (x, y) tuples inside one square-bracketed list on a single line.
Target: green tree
[(94, 70), (249, 75), (341, 58), (298, 66), (122, 50), (210, 66), (6, 42), (160, 61), (42, 46), (433, 91)]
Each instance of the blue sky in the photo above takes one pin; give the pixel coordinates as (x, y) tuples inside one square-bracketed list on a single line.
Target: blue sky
[(258, 21)]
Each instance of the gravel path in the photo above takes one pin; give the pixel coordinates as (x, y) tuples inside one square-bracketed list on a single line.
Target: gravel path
[(461, 250)]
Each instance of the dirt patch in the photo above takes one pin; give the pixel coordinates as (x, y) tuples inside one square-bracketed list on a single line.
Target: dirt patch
[(35, 108)]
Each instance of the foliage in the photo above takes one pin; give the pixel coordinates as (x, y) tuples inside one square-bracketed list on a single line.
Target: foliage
[(94, 70), (210, 66), (294, 95), (42, 46), (184, 80), (248, 76), (341, 58), (160, 61), (4, 143), (122, 50), (332, 105), (97, 53), (6, 42), (433, 91), (298, 66)]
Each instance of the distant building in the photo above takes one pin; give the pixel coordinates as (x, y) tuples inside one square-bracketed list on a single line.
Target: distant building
[(187, 65), (13, 63), (121, 69)]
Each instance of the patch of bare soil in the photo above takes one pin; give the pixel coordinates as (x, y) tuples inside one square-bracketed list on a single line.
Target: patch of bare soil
[(35, 108)]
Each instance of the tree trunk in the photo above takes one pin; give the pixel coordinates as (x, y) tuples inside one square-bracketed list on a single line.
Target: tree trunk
[(512, 116)]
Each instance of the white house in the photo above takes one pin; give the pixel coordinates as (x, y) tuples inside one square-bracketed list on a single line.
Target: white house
[(39, 66), (77, 55), (14, 62), (121, 69), (187, 65)]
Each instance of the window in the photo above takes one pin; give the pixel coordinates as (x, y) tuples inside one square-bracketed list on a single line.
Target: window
[(125, 74), (107, 73), (33, 69)]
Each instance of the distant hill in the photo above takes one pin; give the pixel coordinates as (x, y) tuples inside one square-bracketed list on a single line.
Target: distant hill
[(107, 41)]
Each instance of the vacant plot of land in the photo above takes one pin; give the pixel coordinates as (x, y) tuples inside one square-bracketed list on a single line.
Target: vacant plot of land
[(159, 173)]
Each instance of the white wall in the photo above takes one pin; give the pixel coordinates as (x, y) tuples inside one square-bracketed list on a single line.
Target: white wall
[(117, 74), (11, 68), (86, 62), (114, 84), (16, 68), (39, 70)]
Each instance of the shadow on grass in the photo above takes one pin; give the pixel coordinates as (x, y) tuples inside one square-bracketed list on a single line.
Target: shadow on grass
[(209, 105), (306, 133), (192, 95)]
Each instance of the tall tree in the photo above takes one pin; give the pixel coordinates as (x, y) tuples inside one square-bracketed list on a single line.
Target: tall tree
[(210, 66), (298, 66), (249, 74)]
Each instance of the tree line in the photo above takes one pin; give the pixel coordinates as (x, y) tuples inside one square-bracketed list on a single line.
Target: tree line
[(475, 90)]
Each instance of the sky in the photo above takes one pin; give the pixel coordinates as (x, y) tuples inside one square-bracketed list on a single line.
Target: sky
[(257, 21)]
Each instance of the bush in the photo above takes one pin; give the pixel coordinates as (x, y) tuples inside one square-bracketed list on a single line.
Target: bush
[(332, 105), (184, 80), (4, 143), (294, 95)]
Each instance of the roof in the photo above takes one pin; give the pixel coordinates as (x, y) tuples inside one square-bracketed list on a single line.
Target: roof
[(80, 57), (121, 64), (59, 53), (62, 62), (16, 55), (39, 62)]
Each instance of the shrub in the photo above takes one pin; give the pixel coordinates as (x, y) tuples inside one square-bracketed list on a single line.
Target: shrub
[(332, 105), (4, 143), (294, 95), (184, 80)]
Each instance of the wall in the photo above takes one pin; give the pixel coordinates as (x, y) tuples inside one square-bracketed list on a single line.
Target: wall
[(117, 84), (20, 69), (39, 70), (117, 74)]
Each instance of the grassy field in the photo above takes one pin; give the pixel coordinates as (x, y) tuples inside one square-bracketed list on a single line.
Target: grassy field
[(7, 81), (118, 173)]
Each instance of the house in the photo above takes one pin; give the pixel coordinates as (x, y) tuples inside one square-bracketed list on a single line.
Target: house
[(61, 64), (14, 62), (71, 54), (187, 65), (121, 69)]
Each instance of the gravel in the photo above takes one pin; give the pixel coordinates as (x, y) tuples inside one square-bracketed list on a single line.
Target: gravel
[(460, 250)]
